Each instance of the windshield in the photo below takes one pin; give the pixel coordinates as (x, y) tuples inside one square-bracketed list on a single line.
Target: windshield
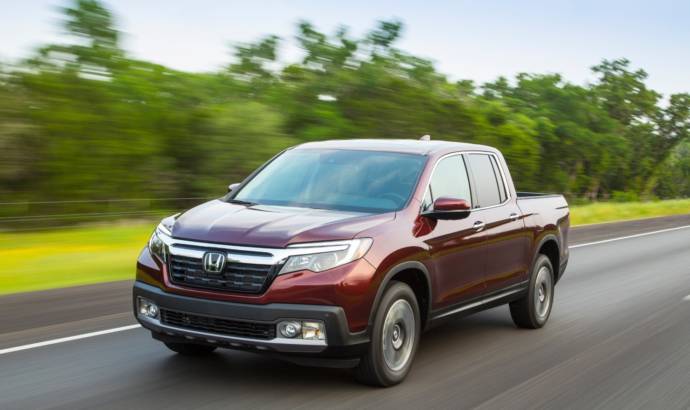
[(347, 180)]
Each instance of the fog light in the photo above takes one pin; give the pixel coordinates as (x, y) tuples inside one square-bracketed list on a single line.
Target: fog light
[(289, 329), (313, 331), (147, 308)]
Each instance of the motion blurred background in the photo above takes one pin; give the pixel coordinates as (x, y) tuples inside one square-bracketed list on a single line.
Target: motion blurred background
[(97, 142)]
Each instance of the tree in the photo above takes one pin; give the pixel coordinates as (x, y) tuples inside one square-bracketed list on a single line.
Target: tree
[(253, 65), (94, 52), (623, 93), (83, 120), (673, 128)]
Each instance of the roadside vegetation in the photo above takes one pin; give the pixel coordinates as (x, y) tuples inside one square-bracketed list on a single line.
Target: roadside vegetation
[(612, 211), (94, 254), (70, 256), (89, 133), (83, 120)]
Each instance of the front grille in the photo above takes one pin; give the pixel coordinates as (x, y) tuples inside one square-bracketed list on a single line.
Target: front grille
[(218, 326), (235, 277)]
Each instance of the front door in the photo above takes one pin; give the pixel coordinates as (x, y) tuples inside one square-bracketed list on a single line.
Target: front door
[(456, 246)]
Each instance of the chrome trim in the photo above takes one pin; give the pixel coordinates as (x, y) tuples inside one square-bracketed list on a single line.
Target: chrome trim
[(433, 171), (277, 341), (343, 244), (520, 288), (163, 229), (249, 254), (509, 194)]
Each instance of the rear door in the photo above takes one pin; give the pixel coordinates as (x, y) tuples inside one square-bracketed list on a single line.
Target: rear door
[(507, 241), (455, 245)]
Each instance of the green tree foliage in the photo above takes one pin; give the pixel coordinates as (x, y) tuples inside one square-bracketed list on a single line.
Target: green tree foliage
[(674, 176), (83, 120)]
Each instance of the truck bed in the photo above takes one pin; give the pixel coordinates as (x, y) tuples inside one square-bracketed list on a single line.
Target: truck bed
[(532, 203), (546, 213), (533, 195)]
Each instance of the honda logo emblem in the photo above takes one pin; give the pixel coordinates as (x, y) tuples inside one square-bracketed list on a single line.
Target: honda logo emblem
[(214, 262)]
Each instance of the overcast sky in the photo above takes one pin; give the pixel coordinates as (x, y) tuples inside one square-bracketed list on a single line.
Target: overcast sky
[(476, 40)]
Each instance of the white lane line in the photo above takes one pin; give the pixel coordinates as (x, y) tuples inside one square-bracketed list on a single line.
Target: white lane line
[(67, 339), (130, 327), (629, 237)]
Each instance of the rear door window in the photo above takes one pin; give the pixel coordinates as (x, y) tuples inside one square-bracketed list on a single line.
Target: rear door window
[(486, 179), (499, 179)]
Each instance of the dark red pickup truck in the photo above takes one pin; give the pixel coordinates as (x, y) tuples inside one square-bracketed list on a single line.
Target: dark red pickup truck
[(340, 253)]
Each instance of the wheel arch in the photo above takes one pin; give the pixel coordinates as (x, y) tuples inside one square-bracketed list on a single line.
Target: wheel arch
[(414, 274), (549, 246)]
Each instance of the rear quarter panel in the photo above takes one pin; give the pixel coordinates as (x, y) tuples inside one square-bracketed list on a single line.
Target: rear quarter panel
[(546, 217)]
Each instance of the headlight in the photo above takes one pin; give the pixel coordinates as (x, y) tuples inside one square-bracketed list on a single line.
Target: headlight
[(157, 247), (326, 255)]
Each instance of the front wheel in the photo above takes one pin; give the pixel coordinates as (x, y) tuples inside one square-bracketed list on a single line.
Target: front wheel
[(394, 338), (534, 309)]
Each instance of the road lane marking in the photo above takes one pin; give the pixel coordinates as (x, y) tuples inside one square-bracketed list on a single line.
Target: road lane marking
[(67, 339), (628, 237), (130, 327)]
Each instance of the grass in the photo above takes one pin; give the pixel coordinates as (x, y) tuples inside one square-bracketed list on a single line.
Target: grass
[(69, 257), (613, 211), (94, 254)]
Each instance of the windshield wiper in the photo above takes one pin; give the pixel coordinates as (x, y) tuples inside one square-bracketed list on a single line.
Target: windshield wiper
[(241, 202)]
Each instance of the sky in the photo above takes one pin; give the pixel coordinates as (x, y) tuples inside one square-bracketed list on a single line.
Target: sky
[(477, 40)]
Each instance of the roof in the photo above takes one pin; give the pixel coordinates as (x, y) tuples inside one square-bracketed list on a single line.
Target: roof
[(397, 145)]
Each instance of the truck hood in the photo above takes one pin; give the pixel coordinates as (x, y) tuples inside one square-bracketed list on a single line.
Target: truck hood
[(270, 226)]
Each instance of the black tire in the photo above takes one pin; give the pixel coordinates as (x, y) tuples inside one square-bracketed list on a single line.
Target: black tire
[(191, 349), (373, 368), (534, 309)]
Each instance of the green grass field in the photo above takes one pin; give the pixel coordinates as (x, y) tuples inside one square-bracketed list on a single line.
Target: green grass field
[(68, 257), (84, 255), (613, 211)]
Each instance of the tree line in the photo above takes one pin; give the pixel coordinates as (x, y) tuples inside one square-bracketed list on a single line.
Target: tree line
[(84, 120)]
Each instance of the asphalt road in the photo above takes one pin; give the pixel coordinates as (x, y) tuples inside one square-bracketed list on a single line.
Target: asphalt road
[(619, 336)]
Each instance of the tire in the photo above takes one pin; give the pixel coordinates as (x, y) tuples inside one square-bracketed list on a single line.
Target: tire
[(394, 338), (191, 349), (534, 309)]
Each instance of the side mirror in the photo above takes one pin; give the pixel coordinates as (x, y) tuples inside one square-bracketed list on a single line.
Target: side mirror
[(233, 187), (449, 208)]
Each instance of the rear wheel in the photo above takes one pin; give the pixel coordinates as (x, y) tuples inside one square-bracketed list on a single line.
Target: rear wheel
[(534, 309), (191, 349), (394, 338)]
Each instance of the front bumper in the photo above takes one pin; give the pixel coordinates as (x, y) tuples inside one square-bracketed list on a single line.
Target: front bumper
[(339, 343)]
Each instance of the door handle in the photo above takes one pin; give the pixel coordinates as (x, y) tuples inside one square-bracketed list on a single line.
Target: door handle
[(514, 216), (478, 226)]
